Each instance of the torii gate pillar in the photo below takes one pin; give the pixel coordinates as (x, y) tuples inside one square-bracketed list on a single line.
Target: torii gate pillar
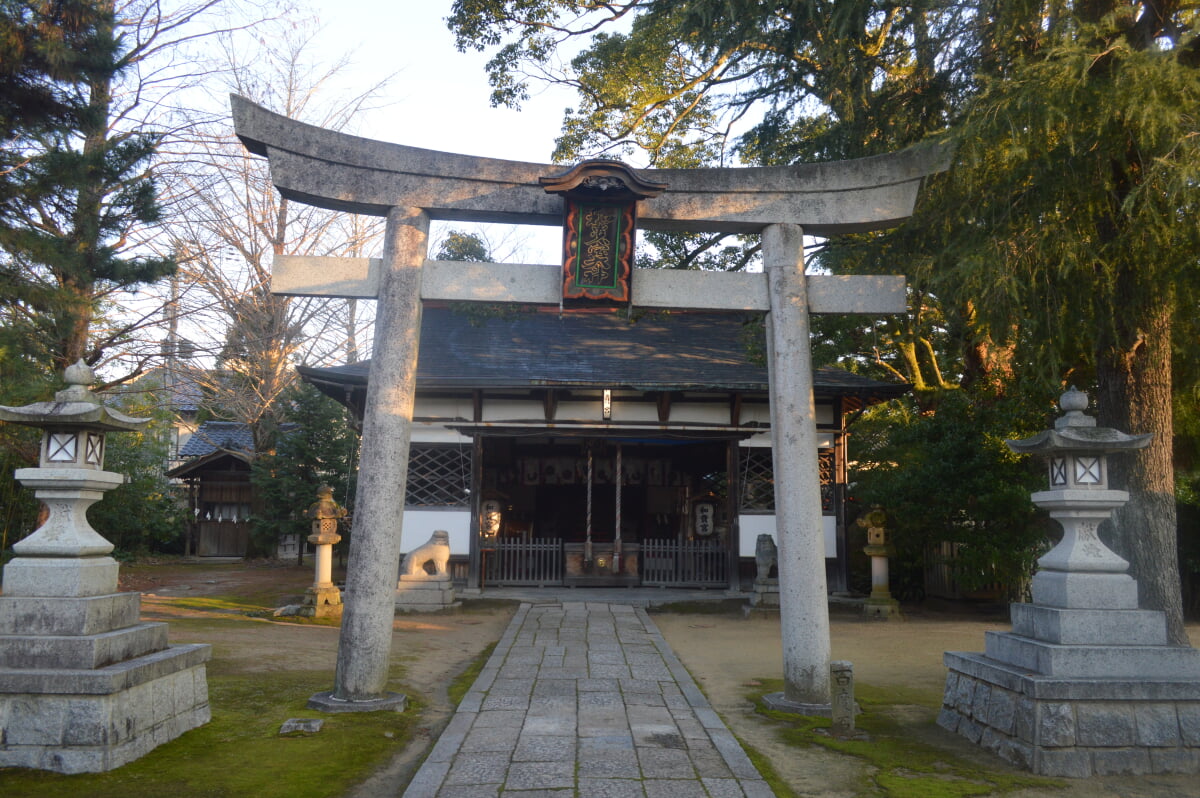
[(803, 605), (365, 640)]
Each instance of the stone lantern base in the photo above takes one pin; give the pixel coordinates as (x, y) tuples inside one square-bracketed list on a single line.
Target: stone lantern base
[(1078, 692), (84, 686), (321, 601)]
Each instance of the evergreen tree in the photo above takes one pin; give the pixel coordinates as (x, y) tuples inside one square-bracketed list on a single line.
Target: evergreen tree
[(318, 447), (72, 187), (1061, 244)]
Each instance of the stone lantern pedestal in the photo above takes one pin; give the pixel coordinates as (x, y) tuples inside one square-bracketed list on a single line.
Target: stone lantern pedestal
[(84, 685), (1085, 683)]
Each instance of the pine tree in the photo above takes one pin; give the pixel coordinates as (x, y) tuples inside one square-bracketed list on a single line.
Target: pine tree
[(72, 187)]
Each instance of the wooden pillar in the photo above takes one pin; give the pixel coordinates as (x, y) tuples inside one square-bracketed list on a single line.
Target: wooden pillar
[(474, 560), (733, 503)]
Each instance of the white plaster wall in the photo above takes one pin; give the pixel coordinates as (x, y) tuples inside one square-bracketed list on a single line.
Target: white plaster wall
[(713, 414), (641, 412), (756, 412), (430, 432), (762, 413), (575, 411), (752, 526), (442, 407), (825, 414), (419, 526), (511, 410)]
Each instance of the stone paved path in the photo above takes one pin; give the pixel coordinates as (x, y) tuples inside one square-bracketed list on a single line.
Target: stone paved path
[(585, 699)]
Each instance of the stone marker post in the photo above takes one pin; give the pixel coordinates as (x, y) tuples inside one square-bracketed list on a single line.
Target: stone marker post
[(804, 607), (365, 644), (842, 706)]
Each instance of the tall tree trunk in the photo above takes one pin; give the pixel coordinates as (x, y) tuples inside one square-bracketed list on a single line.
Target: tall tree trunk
[(1135, 396)]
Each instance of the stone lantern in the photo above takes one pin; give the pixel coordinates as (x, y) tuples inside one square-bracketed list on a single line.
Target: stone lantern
[(80, 676), (1085, 683), (1080, 571), (879, 547), (323, 599), (65, 555)]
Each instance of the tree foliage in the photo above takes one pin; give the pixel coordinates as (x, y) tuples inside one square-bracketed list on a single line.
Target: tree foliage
[(1062, 244), (320, 447), (948, 477), (145, 513), (77, 192)]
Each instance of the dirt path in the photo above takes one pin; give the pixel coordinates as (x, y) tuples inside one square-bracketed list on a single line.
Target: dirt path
[(727, 656)]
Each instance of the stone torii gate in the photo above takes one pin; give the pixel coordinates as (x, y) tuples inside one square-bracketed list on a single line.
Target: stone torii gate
[(411, 186)]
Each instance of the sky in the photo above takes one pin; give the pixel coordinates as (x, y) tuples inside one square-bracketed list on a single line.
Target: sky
[(439, 98)]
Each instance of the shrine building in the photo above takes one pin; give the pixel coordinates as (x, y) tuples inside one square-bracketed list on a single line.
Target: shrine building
[(523, 418)]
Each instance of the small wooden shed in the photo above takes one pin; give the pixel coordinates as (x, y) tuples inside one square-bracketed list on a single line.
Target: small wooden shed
[(220, 497)]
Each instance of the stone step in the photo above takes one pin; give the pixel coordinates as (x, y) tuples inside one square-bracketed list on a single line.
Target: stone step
[(81, 652), (1093, 661), (1089, 627), (96, 720), (109, 679), (87, 615)]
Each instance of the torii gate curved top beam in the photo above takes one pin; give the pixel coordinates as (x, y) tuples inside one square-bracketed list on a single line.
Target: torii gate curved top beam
[(341, 172)]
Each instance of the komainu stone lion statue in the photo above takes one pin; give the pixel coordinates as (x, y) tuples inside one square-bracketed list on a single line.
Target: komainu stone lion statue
[(436, 550), (766, 556)]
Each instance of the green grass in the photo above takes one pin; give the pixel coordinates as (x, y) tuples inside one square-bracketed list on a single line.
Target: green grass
[(901, 766), (240, 753), (219, 605), (779, 787), (462, 683)]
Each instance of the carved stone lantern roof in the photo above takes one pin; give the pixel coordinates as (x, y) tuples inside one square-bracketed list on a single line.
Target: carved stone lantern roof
[(1076, 432), (74, 406)]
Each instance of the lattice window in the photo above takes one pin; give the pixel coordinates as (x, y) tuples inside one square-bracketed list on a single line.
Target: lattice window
[(758, 480), (438, 475)]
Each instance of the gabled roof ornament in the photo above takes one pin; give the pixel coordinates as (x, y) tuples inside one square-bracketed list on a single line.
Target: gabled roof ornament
[(601, 179)]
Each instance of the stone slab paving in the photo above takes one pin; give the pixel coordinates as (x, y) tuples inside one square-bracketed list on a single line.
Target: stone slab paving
[(585, 699)]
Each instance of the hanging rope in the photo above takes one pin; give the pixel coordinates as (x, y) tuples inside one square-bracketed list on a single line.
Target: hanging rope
[(463, 475)]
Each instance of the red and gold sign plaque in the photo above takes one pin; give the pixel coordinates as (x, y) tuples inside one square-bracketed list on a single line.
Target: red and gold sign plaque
[(597, 251), (599, 229)]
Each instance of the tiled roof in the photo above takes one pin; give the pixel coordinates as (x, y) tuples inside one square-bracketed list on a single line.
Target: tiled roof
[(214, 435), (656, 352)]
